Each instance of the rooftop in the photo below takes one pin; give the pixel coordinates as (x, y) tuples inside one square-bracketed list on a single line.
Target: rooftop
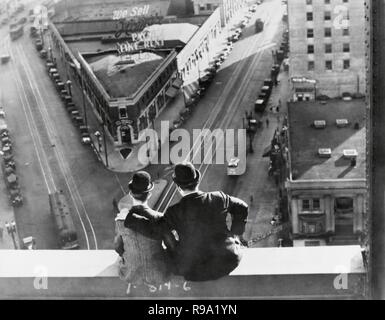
[(306, 140), (123, 76), (264, 273), (182, 32)]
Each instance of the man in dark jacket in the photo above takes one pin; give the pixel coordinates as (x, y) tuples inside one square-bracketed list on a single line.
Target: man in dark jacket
[(206, 248)]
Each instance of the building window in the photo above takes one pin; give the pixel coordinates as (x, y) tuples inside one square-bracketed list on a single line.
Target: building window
[(345, 32), (327, 16), (309, 16), (305, 205), (309, 2), (346, 47), (328, 32), (122, 113), (312, 227), (309, 205), (310, 33), (328, 48), (344, 205), (310, 48), (346, 64), (310, 65)]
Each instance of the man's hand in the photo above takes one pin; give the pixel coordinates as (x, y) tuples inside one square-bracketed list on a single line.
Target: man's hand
[(121, 216), (242, 240)]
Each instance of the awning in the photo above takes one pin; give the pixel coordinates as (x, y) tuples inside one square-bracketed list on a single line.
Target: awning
[(172, 92), (177, 83)]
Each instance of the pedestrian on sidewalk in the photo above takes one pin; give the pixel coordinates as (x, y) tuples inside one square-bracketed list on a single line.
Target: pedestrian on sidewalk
[(267, 122), (251, 199), (1, 233)]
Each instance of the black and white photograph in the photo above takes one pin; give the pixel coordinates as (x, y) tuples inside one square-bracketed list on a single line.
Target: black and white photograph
[(173, 150)]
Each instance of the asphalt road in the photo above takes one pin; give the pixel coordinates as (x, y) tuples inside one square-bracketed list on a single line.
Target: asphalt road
[(49, 154), (233, 92)]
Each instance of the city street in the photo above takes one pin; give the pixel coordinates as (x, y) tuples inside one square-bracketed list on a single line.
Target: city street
[(233, 92), (50, 156)]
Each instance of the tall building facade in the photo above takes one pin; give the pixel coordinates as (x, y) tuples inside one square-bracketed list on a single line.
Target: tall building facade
[(327, 47), (228, 8)]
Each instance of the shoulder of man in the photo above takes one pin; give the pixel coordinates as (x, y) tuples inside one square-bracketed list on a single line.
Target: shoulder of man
[(227, 200)]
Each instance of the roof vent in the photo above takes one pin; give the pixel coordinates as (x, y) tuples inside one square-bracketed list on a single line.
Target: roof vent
[(324, 152), (320, 124), (350, 153), (342, 123)]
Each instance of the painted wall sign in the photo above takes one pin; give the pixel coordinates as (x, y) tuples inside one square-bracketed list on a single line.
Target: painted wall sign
[(135, 12), (124, 123), (143, 40), (303, 80), (135, 25)]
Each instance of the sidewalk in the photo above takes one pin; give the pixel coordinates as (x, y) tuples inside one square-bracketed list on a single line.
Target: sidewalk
[(6, 215), (262, 187)]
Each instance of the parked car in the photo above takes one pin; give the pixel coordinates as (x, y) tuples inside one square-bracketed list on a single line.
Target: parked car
[(86, 139), (234, 37), (39, 44), (5, 58), (253, 8), (43, 54)]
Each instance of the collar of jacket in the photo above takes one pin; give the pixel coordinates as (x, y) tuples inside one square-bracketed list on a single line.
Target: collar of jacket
[(194, 194)]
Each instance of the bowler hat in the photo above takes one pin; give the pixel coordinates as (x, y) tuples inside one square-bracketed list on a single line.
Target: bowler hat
[(140, 183), (186, 175)]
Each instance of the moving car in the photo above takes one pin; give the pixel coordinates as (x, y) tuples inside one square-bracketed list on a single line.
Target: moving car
[(259, 24)]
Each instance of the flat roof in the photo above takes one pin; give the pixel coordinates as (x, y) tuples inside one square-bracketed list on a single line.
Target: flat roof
[(89, 46), (123, 76), (173, 31), (305, 140)]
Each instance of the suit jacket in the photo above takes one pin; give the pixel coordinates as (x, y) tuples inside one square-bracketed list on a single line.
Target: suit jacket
[(139, 243), (207, 249)]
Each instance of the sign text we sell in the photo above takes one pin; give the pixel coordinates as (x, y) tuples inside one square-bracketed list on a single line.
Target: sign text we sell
[(135, 12)]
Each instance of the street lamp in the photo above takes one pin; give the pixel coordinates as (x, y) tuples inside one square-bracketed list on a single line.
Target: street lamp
[(11, 229)]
